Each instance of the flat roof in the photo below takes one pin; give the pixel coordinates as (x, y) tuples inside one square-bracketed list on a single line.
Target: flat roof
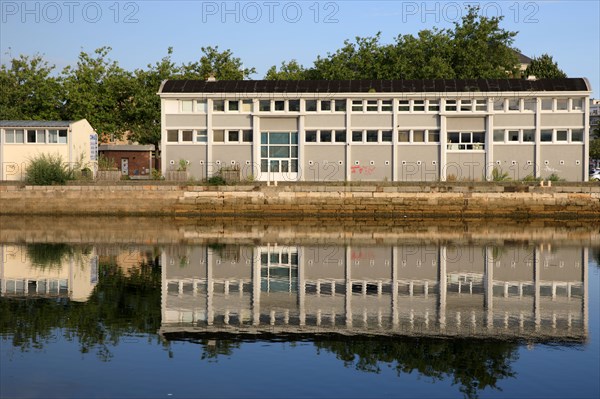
[(373, 86), (126, 147), (21, 123)]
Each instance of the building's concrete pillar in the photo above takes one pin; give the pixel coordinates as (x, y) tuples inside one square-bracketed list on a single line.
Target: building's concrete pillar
[(443, 286), (395, 122), (489, 287), (536, 282), (210, 313), (256, 287), (348, 297), (301, 147), (348, 139), (395, 286), (584, 282), (537, 163), (301, 287), (489, 148), (443, 142), (210, 167)]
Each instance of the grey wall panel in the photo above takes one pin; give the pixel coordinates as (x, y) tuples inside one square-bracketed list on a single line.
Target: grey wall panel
[(551, 156), (418, 162), (371, 263), (465, 165), (465, 259), (325, 161), (240, 154), (418, 262), (381, 121), (196, 154), (423, 121), (513, 263), (185, 262), (333, 121), (185, 121), (514, 120), (562, 120), (378, 154), (465, 124), (324, 262), (278, 124), (561, 264), (518, 160), (232, 121)]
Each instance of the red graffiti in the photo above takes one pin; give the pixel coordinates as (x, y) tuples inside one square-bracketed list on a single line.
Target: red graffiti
[(367, 170)]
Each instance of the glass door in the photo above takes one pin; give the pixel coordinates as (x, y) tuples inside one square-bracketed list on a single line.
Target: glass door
[(279, 156)]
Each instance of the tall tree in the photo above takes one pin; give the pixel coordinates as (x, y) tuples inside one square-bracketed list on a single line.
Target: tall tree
[(223, 65), (544, 67)]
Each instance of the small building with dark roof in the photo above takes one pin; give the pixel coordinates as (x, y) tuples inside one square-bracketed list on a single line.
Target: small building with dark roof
[(377, 130), (21, 140)]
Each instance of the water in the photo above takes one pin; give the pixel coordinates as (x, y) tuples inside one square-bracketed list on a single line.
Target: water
[(168, 308)]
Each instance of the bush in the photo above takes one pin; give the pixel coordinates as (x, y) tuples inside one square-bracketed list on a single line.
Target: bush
[(554, 177), (217, 181), (498, 175), (47, 169)]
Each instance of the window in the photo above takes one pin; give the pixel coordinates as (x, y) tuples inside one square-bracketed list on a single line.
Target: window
[(357, 135), (247, 105), (450, 105), (403, 105), (36, 136), (528, 135), (386, 136), (498, 104), (418, 136), (498, 136), (513, 135), (386, 105), (294, 105), (547, 104), (14, 136), (326, 105), (264, 105), (219, 136), (562, 104), (561, 135), (279, 105), (340, 105), (577, 104), (372, 136), (513, 104), (187, 135), (310, 136), (481, 105), (233, 105), (233, 136), (466, 140), (201, 136), (172, 136), (186, 105), (418, 105), (577, 135), (371, 105), (433, 136), (326, 136), (403, 136), (201, 106), (357, 105), (433, 105), (546, 135), (311, 105), (218, 105), (340, 136), (247, 136), (466, 105), (529, 104), (279, 152)]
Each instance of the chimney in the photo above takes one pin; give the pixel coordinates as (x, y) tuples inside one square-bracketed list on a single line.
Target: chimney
[(211, 78), (531, 77)]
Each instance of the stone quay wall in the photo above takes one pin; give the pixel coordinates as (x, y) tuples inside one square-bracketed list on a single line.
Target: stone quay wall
[(418, 201)]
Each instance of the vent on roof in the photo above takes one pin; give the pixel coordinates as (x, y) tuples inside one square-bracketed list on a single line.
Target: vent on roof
[(211, 78), (531, 77)]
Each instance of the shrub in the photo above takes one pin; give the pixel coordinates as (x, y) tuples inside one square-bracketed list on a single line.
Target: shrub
[(47, 169), (105, 163), (554, 177), (498, 175), (216, 181)]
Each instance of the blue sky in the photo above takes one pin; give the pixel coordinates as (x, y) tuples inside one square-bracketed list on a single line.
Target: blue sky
[(264, 33)]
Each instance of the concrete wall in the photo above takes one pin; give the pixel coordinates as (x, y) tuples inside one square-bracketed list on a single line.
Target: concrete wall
[(322, 162), (418, 162), (518, 160), (562, 160), (374, 162)]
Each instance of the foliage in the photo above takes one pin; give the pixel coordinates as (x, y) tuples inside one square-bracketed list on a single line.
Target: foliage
[(554, 177), (47, 169), (221, 65), (291, 70), (182, 165), (217, 181), (156, 175), (498, 175), (531, 178), (48, 255), (595, 148), (105, 163), (544, 67)]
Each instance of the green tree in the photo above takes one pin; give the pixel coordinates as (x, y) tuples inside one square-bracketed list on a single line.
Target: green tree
[(222, 64), (595, 148), (427, 56), (291, 70), (29, 90), (544, 67)]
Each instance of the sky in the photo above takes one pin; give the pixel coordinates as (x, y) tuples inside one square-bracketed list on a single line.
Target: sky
[(265, 33)]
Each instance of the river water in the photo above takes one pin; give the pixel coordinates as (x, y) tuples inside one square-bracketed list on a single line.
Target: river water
[(168, 308)]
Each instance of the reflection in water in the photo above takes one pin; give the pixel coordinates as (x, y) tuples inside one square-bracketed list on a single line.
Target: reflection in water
[(447, 310)]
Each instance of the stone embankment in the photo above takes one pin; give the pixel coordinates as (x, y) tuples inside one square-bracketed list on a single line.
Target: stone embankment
[(398, 201)]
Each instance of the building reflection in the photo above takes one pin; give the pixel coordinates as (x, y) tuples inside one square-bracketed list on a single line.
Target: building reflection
[(508, 292)]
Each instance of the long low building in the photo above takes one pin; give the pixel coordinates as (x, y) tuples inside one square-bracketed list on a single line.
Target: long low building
[(376, 130)]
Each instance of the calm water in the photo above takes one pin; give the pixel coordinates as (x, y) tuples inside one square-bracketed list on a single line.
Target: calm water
[(180, 308)]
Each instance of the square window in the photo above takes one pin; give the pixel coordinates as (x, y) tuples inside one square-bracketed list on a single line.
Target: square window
[(310, 136), (498, 104), (340, 136), (577, 104), (577, 135), (62, 136), (478, 137), (513, 104), (357, 105), (546, 135), (418, 136), (52, 136), (233, 136), (547, 104), (219, 105), (219, 136), (247, 105), (9, 136), (279, 105), (403, 105), (465, 137), (454, 138), (529, 104), (562, 104), (264, 105), (418, 105), (513, 135), (340, 105), (201, 106), (371, 105), (466, 105), (372, 136), (172, 136), (561, 135), (233, 105), (433, 105), (201, 136), (294, 105), (480, 105), (311, 105), (386, 105), (403, 136), (248, 136), (433, 136), (357, 135), (498, 136), (326, 136), (40, 136), (528, 135), (326, 105), (386, 136), (450, 105), (186, 105), (187, 135)]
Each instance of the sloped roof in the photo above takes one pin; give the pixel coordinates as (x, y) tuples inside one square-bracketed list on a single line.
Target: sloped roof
[(370, 86), (35, 124)]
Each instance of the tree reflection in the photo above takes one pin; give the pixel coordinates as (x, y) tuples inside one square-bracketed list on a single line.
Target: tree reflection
[(471, 364)]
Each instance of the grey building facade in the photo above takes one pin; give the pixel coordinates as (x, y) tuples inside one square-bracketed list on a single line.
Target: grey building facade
[(401, 130)]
